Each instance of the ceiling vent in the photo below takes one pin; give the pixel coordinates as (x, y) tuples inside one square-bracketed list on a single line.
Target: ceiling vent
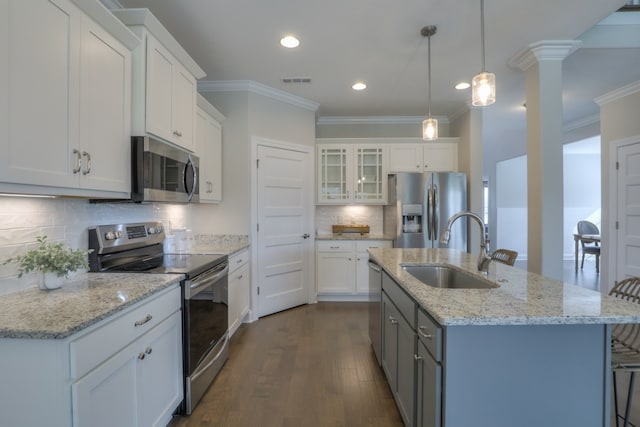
[(298, 80)]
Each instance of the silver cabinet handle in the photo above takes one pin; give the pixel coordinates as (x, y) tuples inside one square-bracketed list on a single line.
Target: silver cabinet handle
[(141, 356), (334, 247), (416, 357), (87, 168), (141, 322), (78, 161), (393, 320), (148, 350), (306, 235), (423, 334), (240, 276), (177, 133)]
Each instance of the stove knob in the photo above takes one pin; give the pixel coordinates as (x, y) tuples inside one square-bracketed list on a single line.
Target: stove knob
[(118, 234), (109, 235), (152, 230)]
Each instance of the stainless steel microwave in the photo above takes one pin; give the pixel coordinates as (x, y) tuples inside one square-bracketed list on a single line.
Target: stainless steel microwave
[(162, 172)]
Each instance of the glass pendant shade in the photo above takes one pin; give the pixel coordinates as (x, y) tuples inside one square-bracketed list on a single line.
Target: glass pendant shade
[(483, 88), (429, 129)]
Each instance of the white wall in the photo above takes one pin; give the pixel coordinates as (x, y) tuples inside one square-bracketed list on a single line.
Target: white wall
[(511, 206)]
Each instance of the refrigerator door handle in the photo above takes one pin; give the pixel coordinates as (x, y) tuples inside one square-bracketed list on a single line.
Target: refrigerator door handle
[(429, 203), (434, 216)]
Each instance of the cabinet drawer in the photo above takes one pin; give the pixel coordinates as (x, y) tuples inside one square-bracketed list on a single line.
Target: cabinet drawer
[(363, 245), (90, 350), (404, 303), (430, 333), (334, 246), (238, 260)]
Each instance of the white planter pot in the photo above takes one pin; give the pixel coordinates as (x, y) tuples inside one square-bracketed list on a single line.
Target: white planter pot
[(49, 281)]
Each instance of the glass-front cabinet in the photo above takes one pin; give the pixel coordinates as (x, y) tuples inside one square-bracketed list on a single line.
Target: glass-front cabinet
[(351, 174)]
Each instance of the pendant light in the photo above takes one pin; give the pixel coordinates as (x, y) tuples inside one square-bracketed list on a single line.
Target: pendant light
[(429, 125), (483, 85)]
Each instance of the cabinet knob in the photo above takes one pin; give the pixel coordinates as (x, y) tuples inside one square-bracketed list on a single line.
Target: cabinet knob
[(148, 350), (141, 356), (416, 357), (306, 235), (393, 320), (177, 133)]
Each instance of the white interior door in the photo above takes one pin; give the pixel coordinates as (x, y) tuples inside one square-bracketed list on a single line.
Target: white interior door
[(285, 222), (628, 250)]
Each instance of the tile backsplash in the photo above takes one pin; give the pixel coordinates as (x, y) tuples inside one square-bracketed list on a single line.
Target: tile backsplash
[(326, 216), (66, 220)]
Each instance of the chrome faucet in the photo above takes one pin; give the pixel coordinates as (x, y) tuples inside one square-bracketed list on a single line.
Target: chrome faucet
[(483, 258)]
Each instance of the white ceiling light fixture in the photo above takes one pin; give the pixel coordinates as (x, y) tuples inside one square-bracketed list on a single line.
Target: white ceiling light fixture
[(289, 42), (483, 83), (429, 125), (359, 86)]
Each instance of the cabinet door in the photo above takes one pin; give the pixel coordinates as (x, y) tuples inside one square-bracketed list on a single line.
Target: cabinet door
[(441, 157), (209, 150), (40, 47), (362, 262), (159, 372), (183, 108), (160, 70), (335, 273), (405, 370), (239, 295), (106, 396), (390, 317), (428, 389), (370, 185), (105, 110), (405, 158), (333, 182)]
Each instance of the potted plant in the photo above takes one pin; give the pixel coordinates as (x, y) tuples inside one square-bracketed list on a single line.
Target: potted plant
[(54, 260)]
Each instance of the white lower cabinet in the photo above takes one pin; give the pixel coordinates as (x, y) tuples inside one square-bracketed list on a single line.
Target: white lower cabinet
[(239, 289), (124, 371), (341, 267)]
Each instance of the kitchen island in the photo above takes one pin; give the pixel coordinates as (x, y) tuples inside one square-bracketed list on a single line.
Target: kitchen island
[(530, 351)]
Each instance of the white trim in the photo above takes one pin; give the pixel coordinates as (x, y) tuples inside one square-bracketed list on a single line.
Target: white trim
[(546, 50), (213, 86), (203, 103), (610, 239), (585, 121), (376, 120), (618, 93), (253, 234)]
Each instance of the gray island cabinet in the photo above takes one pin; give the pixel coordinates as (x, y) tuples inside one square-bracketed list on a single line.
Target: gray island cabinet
[(531, 352)]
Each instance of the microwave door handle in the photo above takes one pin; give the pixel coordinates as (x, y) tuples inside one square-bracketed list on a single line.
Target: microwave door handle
[(190, 191)]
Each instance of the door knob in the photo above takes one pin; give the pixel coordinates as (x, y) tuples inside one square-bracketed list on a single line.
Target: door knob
[(306, 235)]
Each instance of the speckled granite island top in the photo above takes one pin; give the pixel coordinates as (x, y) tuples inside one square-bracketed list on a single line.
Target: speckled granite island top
[(83, 301), (522, 298)]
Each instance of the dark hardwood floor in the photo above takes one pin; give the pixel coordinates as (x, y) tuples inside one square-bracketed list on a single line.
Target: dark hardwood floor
[(308, 366)]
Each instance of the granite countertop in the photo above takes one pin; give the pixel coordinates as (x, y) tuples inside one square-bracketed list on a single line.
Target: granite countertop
[(352, 236), (522, 298), (86, 299), (219, 244)]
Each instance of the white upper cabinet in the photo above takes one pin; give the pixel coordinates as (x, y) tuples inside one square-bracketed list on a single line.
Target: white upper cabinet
[(437, 156), (164, 82), (351, 173), (65, 99), (209, 149)]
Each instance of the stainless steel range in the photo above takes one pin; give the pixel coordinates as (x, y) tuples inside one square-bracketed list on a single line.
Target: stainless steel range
[(139, 248)]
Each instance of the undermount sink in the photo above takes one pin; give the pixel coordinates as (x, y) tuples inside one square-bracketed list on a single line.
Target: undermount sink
[(445, 277)]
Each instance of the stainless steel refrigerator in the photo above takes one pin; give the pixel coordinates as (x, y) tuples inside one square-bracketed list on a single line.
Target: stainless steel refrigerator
[(419, 206)]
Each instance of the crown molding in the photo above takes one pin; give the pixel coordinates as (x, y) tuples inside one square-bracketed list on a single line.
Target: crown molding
[(580, 123), (376, 120), (618, 93), (546, 50), (213, 86)]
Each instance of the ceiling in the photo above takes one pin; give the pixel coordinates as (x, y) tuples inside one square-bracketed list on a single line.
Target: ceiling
[(379, 42)]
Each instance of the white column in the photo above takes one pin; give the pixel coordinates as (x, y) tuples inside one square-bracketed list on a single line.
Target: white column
[(542, 64)]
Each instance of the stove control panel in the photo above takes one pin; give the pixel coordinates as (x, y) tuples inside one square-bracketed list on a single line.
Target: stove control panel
[(119, 237)]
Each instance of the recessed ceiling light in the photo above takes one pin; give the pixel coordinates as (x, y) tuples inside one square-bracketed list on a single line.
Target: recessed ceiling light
[(289, 42), (359, 86), (462, 86)]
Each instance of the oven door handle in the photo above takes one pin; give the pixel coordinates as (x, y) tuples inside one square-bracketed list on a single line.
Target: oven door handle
[(205, 279)]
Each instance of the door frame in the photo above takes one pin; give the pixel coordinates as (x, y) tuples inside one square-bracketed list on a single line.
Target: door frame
[(253, 234), (610, 240)]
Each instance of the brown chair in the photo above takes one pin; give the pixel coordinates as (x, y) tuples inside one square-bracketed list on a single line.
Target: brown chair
[(586, 227), (625, 344), (504, 256)]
